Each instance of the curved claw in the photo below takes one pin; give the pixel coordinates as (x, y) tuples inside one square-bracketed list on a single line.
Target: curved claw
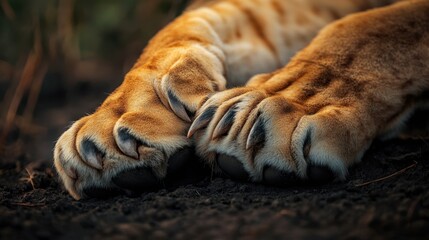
[(225, 123), (127, 143), (202, 120), (71, 173), (256, 134), (178, 107), (91, 154)]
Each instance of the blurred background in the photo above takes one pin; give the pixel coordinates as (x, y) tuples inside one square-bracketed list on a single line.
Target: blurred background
[(60, 58)]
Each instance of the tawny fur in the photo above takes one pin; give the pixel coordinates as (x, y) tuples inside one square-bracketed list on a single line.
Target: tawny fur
[(340, 90), (351, 84)]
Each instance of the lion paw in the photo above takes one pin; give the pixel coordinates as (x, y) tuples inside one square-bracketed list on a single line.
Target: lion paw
[(252, 134), (122, 146)]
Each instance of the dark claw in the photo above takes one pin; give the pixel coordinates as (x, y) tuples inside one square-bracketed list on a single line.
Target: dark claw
[(232, 167), (178, 107), (98, 192), (91, 154), (225, 123), (275, 177), (256, 134), (202, 120), (320, 174), (127, 143)]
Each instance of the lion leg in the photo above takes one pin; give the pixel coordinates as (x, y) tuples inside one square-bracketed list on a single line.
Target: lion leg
[(359, 79), (143, 123)]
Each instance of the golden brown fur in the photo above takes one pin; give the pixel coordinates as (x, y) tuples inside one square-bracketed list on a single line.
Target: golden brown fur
[(357, 80)]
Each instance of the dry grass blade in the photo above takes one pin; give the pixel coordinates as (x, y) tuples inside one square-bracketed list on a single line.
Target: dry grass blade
[(412, 208), (404, 156), (25, 81), (34, 93), (387, 177), (38, 76), (29, 178), (7, 9), (65, 31), (6, 69), (25, 204), (30, 70)]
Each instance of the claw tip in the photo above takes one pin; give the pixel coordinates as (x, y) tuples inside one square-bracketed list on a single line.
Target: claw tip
[(189, 135)]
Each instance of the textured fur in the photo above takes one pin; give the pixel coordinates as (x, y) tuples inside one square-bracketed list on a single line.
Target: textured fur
[(358, 79)]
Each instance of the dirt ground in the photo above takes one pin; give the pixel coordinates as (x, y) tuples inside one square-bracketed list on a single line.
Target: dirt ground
[(395, 207)]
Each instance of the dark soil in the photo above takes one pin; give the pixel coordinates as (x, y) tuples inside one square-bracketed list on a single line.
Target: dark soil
[(393, 208)]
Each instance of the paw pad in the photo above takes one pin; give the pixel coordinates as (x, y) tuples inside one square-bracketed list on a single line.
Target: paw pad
[(320, 174), (143, 179), (234, 169)]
